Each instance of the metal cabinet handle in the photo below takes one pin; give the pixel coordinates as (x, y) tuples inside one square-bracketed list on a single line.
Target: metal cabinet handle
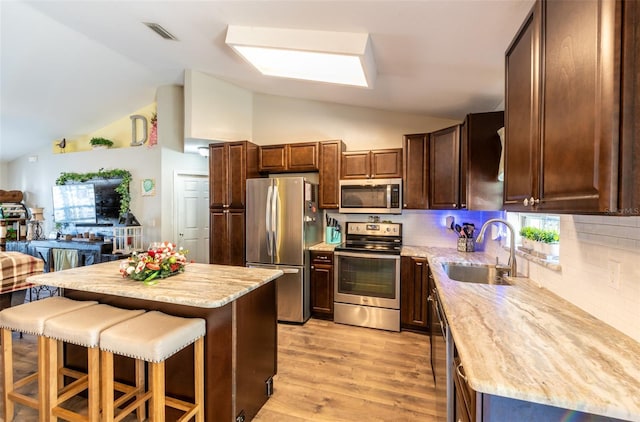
[(454, 205), (429, 298)]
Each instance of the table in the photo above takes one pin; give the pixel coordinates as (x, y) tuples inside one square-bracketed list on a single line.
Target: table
[(239, 306)]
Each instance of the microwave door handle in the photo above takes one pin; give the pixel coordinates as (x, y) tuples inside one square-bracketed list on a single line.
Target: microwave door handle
[(389, 195), (268, 220)]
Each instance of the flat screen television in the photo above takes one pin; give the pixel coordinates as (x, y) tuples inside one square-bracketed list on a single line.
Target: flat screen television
[(107, 199), (74, 203)]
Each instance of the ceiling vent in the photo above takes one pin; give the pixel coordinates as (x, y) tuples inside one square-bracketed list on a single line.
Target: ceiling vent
[(160, 31)]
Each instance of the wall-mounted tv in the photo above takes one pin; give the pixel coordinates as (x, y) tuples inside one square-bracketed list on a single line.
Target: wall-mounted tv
[(107, 199), (74, 203)]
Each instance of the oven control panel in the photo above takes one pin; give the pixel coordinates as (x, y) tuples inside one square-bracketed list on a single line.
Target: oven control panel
[(375, 229)]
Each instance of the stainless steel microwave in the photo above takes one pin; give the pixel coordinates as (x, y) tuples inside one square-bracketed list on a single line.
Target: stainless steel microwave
[(371, 196)]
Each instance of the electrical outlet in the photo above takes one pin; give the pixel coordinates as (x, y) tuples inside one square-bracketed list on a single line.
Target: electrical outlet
[(614, 274)]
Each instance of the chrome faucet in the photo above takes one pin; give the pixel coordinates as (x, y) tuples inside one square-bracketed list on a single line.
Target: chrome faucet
[(513, 270)]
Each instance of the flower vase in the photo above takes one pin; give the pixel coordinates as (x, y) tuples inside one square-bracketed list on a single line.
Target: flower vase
[(153, 134)]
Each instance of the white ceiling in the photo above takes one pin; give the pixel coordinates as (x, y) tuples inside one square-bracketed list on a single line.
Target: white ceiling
[(71, 67)]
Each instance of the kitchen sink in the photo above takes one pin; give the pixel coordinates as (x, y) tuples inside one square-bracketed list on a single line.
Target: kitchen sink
[(481, 274)]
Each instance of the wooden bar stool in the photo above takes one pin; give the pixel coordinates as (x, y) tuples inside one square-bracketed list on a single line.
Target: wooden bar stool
[(153, 337), (30, 318), (81, 327)]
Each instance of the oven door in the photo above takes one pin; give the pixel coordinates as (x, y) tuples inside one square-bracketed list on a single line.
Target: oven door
[(370, 279)]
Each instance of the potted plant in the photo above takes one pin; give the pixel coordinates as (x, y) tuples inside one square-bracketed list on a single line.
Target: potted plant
[(97, 143), (550, 243), (528, 235)]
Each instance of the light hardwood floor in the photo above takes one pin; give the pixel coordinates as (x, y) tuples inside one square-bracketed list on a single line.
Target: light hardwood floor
[(328, 372)]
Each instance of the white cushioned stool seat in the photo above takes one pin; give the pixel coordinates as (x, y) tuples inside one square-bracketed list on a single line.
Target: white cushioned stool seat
[(153, 337), (81, 327), (30, 318)]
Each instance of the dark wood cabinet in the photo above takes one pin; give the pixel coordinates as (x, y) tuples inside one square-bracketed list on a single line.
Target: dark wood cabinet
[(321, 280), (415, 178), (414, 285), (330, 164), (230, 165), (444, 168), (563, 94), (299, 157), (375, 164), (464, 163)]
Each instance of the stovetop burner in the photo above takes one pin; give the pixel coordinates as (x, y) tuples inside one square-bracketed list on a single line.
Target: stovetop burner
[(372, 238)]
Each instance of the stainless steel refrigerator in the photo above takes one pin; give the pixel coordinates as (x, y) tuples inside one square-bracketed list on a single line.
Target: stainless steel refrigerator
[(283, 221)]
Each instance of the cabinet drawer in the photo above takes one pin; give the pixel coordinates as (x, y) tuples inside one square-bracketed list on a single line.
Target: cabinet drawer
[(322, 257)]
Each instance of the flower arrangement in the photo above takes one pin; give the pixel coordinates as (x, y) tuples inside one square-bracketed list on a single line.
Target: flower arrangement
[(162, 260)]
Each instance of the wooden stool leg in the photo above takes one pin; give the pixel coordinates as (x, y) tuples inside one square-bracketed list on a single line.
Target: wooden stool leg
[(157, 392), (43, 390), (107, 386), (198, 376), (7, 356), (52, 380), (140, 386), (93, 372)]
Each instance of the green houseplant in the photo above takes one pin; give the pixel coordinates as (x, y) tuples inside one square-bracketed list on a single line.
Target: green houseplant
[(100, 143), (122, 189), (545, 242)]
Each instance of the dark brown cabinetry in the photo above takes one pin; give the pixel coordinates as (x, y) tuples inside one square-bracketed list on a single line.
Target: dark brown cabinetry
[(230, 165), (464, 162), (414, 285), (376, 164), (298, 157), (330, 164), (464, 395), (415, 186), (563, 96), (322, 284)]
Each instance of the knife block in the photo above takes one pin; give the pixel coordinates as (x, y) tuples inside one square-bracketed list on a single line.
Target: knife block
[(332, 236)]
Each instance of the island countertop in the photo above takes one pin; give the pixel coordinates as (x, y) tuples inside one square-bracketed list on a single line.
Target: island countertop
[(200, 285), (524, 342)]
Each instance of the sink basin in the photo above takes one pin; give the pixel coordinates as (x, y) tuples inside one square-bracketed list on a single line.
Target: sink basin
[(482, 274)]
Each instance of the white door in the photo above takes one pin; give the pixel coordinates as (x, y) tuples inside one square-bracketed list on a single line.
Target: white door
[(192, 215)]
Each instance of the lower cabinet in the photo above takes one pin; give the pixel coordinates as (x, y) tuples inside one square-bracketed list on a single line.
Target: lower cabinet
[(414, 289), (321, 281), (226, 237)]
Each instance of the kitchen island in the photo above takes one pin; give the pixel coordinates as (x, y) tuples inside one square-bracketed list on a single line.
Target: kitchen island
[(239, 307)]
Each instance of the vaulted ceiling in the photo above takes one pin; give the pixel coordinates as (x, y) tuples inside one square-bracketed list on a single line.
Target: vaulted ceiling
[(71, 67)]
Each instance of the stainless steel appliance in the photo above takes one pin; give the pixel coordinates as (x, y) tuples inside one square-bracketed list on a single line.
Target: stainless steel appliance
[(367, 276), (371, 196), (441, 359), (282, 222)]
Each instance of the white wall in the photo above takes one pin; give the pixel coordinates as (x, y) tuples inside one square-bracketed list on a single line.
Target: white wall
[(288, 120), (587, 245)]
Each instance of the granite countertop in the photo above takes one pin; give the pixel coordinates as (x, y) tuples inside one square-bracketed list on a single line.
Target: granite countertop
[(201, 285), (524, 342), (324, 247)]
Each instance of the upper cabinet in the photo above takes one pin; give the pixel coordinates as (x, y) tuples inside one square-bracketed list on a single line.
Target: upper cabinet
[(464, 162), (376, 164), (563, 114), (230, 165), (416, 171), (298, 157), (330, 164)]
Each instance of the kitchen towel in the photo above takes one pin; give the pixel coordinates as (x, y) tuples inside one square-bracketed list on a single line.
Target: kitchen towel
[(63, 259)]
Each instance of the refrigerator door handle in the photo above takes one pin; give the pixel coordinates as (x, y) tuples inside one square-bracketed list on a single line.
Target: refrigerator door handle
[(268, 219), (290, 270), (275, 218)]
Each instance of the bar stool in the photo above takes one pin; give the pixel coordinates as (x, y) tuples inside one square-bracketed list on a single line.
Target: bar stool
[(153, 337), (30, 318), (81, 327)]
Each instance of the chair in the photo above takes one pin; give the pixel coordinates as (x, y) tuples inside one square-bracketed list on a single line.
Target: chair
[(81, 327), (30, 318), (153, 337)]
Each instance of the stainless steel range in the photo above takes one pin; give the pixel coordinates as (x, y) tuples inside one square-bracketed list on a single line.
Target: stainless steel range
[(367, 276)]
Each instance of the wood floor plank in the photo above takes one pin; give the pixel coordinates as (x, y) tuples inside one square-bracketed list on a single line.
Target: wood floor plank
[(329, 372)]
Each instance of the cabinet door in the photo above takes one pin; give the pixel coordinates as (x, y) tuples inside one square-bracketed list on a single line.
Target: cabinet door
[(227, 237), (302, 157), (236, 237), (273, 158), (521, 114), (330, 161), (416, 171), (356, 165), (444, 168), (236, 163), (386, 163), (580, 105), (217, 176), (322, 289), (413, 293)]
